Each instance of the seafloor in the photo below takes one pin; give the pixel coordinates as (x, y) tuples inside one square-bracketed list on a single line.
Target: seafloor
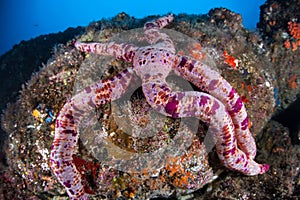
[(38, 76)]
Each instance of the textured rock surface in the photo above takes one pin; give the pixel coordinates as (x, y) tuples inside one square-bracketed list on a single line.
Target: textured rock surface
[(264, 72)]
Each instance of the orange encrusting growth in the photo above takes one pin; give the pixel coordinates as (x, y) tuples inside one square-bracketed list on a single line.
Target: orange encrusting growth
[(294, 30), (292, 82), (230, 60)]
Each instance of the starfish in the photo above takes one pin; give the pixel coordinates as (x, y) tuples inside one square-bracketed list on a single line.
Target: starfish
[(221, 107)]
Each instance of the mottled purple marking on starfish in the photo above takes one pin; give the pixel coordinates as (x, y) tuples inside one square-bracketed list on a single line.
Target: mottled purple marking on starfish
[(231, 93), (171, 108), (214, 108), (149, 25), (183, 62), (213, 85), (67, 184), (264, 167), (244, 123), (91, 103), (180, 96), (88, 89), (237, 107), (203, 100), (240, 159), (230, 151), (70, 117)]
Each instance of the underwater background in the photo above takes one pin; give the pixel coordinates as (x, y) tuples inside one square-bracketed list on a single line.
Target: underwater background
[(23, 20), (254, 45)]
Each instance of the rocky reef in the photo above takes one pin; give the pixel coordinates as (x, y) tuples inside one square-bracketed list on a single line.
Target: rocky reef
[(263, 67)]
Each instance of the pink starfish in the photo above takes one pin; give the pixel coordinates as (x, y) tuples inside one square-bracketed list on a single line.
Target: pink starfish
[(222, 108)]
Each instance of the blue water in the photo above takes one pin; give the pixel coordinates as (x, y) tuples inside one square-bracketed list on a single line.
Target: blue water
[(26, 19)]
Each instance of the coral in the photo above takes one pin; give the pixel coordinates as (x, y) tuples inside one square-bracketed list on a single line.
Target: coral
[(294, 29), (230, 60)]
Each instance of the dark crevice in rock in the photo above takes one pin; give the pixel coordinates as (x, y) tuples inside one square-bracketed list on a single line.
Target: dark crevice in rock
[(290, 118)]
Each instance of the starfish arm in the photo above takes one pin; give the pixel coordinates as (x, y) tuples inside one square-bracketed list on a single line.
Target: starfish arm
[(208, 109), (121, 51), (210, 81), (159, 23), (153, 33), (67, 123)]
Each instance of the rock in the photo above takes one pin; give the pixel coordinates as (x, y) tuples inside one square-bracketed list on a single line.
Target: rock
[(261, 69)]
